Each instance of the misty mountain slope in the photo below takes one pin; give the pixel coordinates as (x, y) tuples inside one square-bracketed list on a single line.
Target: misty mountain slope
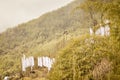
[(41, 36), (45, 28)]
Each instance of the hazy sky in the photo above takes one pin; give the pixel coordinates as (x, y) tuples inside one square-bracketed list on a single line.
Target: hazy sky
[(13, 12)]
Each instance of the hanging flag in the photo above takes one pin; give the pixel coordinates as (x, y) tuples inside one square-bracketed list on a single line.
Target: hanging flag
[(27, 62)]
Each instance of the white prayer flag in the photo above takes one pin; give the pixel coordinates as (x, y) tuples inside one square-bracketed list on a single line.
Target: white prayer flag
[(46, 62), (27, 62), (91, 31), (102, 31)]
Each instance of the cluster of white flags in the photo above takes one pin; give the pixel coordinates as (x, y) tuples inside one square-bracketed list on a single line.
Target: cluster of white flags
[(103, 31), (42, 62), (27, 62), (45, 62)]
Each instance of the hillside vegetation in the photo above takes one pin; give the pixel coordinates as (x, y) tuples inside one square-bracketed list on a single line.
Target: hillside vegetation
[(87, 58), (59, 34), (41, 36), (92, 57)]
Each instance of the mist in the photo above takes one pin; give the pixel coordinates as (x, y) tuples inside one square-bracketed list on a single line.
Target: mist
[(14, 12)]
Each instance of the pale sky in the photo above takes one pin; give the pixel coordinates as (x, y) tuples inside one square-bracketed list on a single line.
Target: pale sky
[(13, 12)]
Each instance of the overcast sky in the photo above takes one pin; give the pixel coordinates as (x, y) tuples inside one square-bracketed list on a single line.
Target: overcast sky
[(13, 12)]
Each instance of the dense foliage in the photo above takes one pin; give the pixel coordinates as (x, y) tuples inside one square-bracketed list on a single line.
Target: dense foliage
[(88, 58), (94, 57)]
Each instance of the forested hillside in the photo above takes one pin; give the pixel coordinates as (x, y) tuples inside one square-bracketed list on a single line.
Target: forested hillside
[(46, 28), (41, 36), (92, 57), (60, 34)]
